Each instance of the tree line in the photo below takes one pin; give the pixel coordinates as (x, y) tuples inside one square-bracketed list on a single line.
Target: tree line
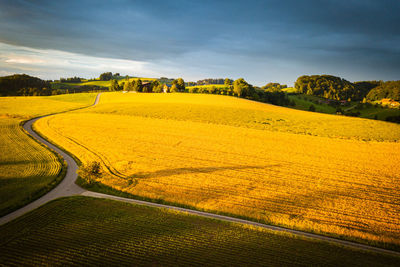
[(241, 88), (22, 84), (71, 80), (336, 88), (390, 89), (326, 86), (155, 86), (211, 81)]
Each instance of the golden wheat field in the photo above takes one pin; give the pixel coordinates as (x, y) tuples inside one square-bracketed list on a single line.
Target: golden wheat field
[(316, 172), (27, 169)]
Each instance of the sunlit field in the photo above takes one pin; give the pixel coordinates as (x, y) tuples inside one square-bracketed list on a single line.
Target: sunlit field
[(27, 169), (86, 231), (310, 171)]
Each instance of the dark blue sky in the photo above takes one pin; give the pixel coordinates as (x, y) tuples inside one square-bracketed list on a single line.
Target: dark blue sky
[(261, 41)]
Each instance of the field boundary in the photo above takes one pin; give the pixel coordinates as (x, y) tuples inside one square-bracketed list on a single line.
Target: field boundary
[(69, 187), (243, 221)]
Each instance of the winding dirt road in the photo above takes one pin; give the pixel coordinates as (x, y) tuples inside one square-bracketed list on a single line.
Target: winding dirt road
[(67, 187)]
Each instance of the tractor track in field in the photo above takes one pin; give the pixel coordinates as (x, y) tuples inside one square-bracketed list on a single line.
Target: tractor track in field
[(67, 187)]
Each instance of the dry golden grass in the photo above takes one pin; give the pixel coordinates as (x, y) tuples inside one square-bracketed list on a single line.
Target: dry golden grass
[(27, 169), (211, 152)]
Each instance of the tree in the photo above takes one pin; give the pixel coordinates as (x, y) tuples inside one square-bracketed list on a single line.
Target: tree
[(22, 84), (181, 85), (174, 88), (127, 86), (106, 76), (329, 86), (158, 88), (389, 89), (154, 84), (227, 82), (241, 88), (114, 85), (90, 172), (138, 87)]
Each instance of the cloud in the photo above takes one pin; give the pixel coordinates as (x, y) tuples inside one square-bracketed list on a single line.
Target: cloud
[(193, 38), (51, 64)]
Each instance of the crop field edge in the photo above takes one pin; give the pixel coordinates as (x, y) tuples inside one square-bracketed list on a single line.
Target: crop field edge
[(50, 141), (102, 188), (60, 176), (44, 190), (238, 224)]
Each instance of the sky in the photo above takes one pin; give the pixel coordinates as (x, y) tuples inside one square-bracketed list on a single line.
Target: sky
[(260, 41)]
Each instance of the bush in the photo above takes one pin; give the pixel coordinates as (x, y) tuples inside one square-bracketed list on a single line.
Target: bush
[(90, 172), (193, 90)]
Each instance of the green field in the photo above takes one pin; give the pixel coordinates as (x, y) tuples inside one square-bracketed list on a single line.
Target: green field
[(28, 169), (87, 231), (303, 102)]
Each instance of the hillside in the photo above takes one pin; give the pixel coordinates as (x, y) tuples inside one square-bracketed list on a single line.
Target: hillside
[(22, 84), (390, 89), (327, 86)]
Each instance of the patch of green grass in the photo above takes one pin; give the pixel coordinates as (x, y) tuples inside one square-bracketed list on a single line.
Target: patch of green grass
[(379, 113), (88, 231), (303, 102)]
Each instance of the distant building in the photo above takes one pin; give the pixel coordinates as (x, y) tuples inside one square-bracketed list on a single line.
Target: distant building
[(166, 88), (389, 102), (146, 85)]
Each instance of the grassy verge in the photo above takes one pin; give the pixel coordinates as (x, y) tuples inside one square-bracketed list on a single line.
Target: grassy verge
[(88, 231)]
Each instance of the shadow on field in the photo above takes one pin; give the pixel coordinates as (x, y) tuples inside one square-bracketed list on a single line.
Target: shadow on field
[(19, 162), (191, 170)]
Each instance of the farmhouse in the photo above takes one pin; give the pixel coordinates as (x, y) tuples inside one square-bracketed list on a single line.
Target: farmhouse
[(166, 88), (146, 86), (390, 102)]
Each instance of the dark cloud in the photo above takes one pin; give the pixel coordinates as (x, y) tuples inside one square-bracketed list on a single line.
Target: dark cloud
[(337, 32)]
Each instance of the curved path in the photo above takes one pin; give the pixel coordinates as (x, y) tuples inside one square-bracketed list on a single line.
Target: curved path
[(67, 187)]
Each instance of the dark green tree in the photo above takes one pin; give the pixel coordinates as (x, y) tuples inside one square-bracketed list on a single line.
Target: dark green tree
[(138, 87), (241, 88), (227, 82), (114, 85), (106, 76), (181, 85), (174, 88)]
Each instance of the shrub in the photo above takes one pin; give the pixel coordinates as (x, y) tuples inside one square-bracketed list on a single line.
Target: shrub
[(193, 90), (90, 172)]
